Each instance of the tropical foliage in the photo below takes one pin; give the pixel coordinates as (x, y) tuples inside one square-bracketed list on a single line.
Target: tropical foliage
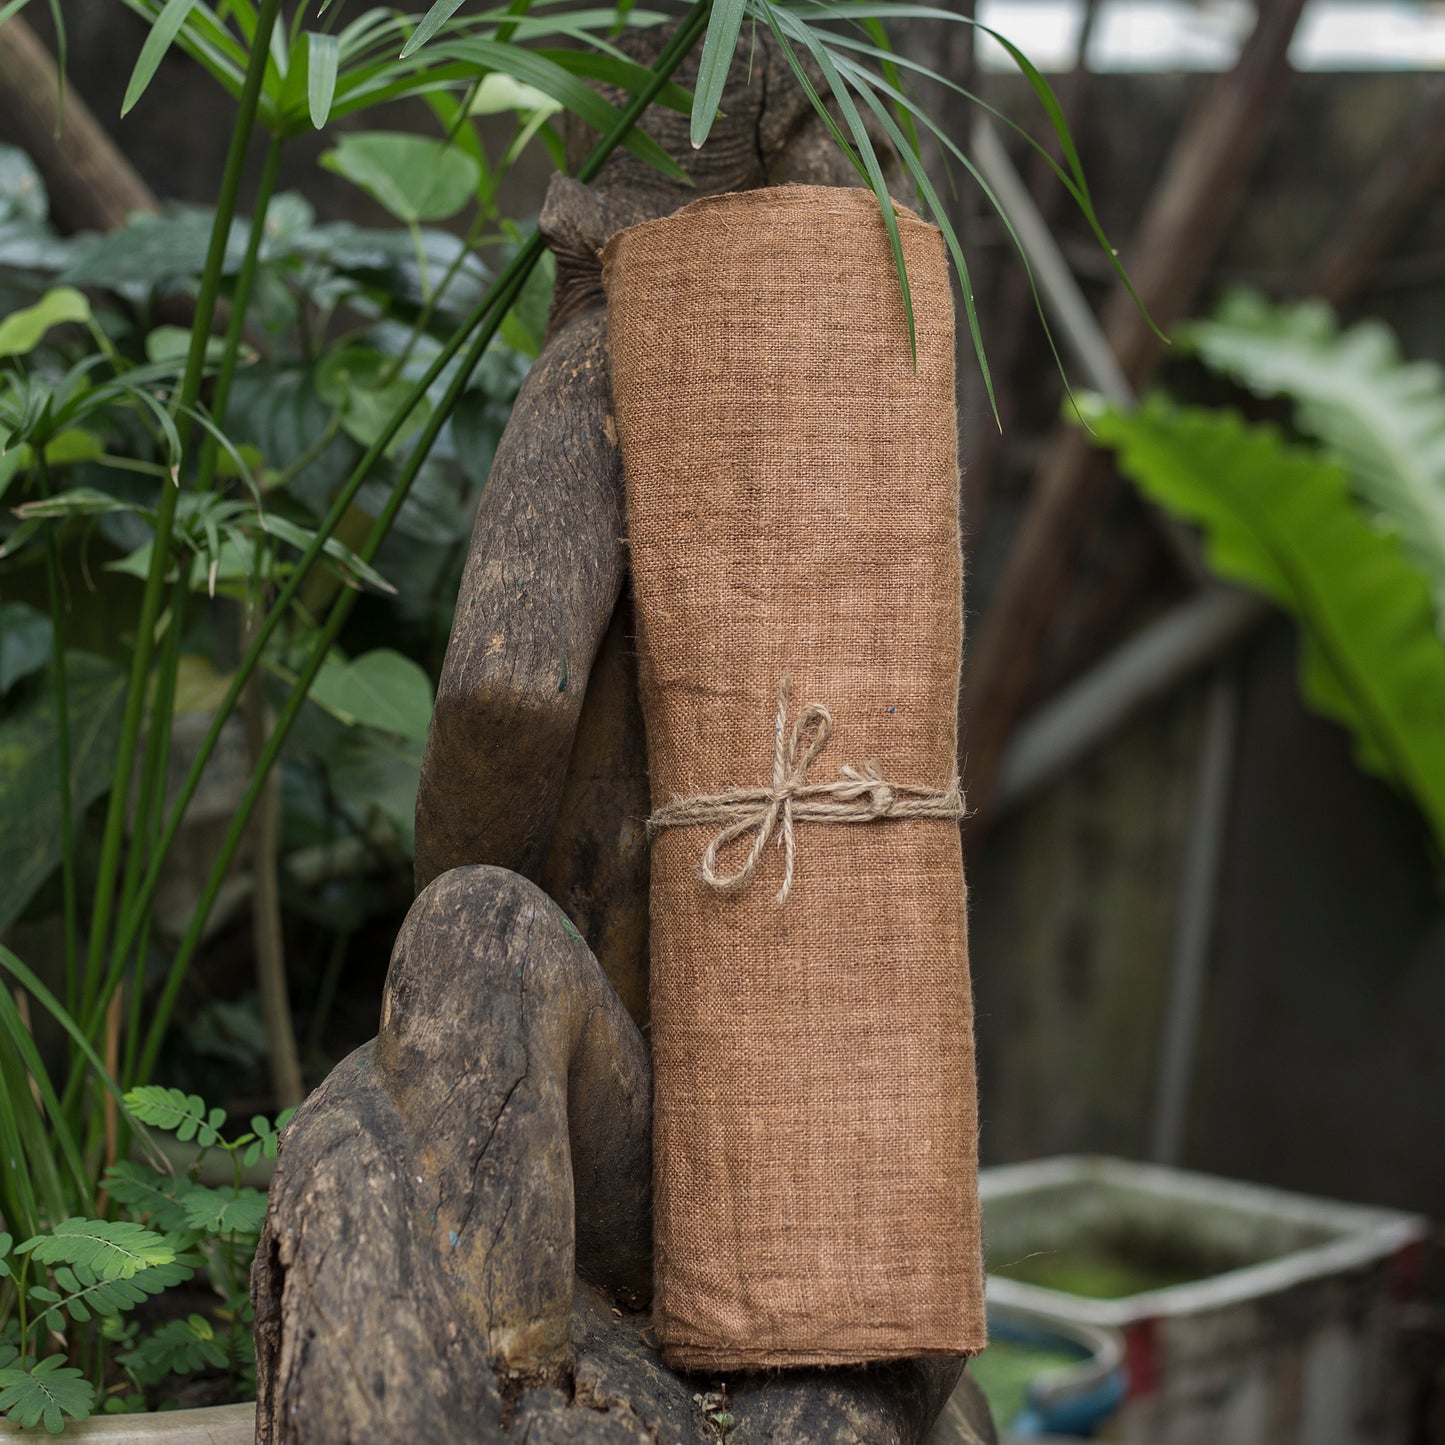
[(1341, 526)]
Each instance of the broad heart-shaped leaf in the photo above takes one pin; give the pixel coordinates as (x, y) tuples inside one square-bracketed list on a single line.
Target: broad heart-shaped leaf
[(356, 381), (380, 689), (181, 1114), (1281, 519), (151, 251), (22, 331), (112, 1248), (371, 769), (45, 1395), (26, 638), (1383, 417), (415, 177), (29, 771)]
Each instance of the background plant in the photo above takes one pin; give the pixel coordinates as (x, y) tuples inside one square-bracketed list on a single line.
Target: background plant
[(1341, 526), (82, 1283)]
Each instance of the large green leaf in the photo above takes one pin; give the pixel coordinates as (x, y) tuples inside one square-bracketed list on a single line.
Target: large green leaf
[(415, 177), (26, 639), (372, 769), (29, 777), (1282, 520), (380, 689), (1383, 417), (152, 251), (22, 331)]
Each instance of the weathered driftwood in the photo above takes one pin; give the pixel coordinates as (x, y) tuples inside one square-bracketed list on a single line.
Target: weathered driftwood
[(437, 1198), (546, 561), (597, 865), (458, 1242)]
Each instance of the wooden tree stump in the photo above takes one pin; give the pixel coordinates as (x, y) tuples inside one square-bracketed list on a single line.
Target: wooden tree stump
[(458, 1244)]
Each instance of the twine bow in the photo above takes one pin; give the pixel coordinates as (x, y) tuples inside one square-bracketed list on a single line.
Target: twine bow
[(860, 795)]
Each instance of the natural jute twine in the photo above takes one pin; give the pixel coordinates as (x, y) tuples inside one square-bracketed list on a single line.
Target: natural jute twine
[(860, 795)]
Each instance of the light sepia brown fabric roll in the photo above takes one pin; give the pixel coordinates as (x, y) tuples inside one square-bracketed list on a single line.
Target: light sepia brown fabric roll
[(792, 497)]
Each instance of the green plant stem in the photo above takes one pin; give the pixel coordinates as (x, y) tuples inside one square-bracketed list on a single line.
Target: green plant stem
[(22, 1286), (150, 813), (240, 308), (683, 41), (500, 299), (113, 836), (325, 640), (62, 748)]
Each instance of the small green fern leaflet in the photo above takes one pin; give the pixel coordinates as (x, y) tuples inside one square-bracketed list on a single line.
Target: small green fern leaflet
[(178, 1347), (84, 1293), (1383, 417), (45, 1394), (114, 1249), (155, 1199), (1281, 519), (184, 1115), (220, 1211)]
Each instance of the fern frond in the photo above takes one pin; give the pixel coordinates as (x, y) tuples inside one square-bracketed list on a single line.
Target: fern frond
[(84, 1293), (1381, 416), (152, 1198), (114, 1249), (45, 1394), (178, 1347), (219, 1211), (178, 1113)]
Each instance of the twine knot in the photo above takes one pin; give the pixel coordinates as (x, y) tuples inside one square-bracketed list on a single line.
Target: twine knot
[(860, 795)]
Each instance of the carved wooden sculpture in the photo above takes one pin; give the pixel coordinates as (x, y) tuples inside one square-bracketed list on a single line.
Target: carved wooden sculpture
[(458, 1244)]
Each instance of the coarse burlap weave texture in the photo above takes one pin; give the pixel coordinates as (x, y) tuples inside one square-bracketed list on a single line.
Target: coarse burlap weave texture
[(792, 498)]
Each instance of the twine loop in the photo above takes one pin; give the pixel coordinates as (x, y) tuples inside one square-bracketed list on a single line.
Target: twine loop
[(860, 794)]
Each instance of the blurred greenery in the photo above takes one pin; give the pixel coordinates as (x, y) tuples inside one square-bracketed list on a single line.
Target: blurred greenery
[(1342, 525)]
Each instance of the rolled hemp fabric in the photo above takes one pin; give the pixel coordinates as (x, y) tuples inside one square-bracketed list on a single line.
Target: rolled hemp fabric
[(792, 499)]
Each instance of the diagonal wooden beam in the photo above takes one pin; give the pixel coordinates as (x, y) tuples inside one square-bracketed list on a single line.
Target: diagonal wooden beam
[(1411, 171), (92, 186), (1184, 225)]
